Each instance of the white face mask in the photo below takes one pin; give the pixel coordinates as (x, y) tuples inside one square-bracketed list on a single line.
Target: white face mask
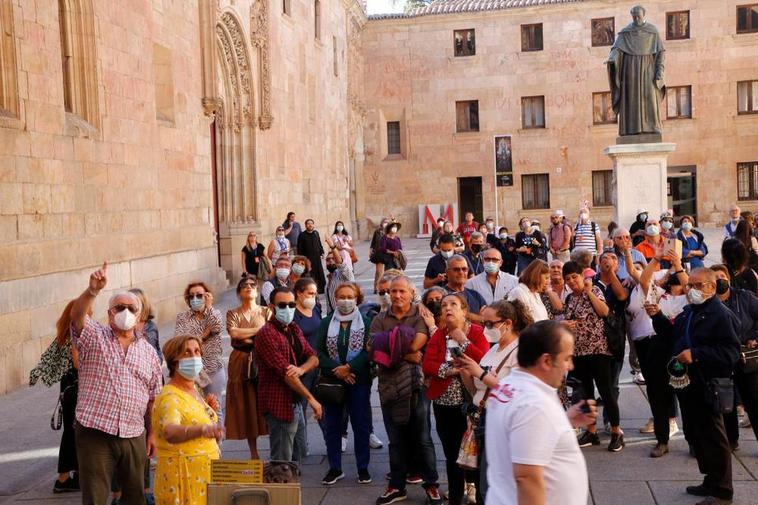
[(447, 254), (385, 300), (282, 273), (491, 268), (393, 230), (298, 269), (695, 296), (490, 225), (492, 335), (503, 236), (686, 226), (653, 230), (584, 216), (309, 302), (339, 227), (125, 320), (346, 306), (667, 225)]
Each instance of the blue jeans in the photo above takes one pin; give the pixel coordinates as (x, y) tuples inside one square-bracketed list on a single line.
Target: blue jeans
[(285, 445), (359, 409), (412, 441), (217, 388)]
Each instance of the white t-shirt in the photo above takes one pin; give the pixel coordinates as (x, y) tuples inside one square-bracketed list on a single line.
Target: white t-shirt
[(492, 359), (532, 301), (526, 424)]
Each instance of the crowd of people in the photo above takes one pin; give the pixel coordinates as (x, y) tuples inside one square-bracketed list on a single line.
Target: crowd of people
[(505, 347)]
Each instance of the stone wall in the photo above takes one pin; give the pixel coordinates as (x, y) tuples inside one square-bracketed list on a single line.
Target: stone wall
[(413, 77)]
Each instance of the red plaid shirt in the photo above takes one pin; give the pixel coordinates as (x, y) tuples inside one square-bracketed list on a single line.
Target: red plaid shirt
[(275, 351), (114, 386)]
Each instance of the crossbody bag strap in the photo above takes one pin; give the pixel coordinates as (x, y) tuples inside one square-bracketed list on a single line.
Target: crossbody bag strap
[(499, 367)]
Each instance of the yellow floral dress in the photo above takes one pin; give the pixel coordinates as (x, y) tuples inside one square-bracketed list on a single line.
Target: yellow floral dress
[(184, 470)]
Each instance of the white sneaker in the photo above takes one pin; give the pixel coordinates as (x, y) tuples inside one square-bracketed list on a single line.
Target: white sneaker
[(648, 427), (344, 444), (375, 442), (639, 379), (673, 428)]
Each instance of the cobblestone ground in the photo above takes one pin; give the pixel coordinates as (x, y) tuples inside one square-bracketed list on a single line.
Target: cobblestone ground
[(28, 448)]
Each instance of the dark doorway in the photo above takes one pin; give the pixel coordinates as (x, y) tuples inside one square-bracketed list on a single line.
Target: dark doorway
[(470, 197), (682, 191)]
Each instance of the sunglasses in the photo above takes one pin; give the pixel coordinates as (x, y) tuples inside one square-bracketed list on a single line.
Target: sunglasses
[(286, 305), (382, 292), (249, 285), (121, 307), (196, 296), (491, 324)]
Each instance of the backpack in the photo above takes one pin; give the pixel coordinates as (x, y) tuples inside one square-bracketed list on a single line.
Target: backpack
[(573, 235)]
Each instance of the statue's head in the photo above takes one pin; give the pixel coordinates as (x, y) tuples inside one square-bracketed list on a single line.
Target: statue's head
[(638, 15)]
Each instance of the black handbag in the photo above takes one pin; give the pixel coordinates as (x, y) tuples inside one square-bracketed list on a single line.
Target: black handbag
[(719, 393), (748, 360), (329, 390)]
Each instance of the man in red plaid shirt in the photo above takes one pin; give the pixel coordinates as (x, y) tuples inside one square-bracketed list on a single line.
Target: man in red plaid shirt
[(119, 377), (284, 355)]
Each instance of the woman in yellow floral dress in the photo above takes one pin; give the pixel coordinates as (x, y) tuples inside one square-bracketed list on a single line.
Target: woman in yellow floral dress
[(186, 428)]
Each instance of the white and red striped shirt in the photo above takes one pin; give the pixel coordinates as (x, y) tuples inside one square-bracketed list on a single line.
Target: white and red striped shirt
[(115, 386)]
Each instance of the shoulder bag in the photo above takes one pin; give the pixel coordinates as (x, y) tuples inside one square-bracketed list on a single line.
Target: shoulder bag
[(329, 390)]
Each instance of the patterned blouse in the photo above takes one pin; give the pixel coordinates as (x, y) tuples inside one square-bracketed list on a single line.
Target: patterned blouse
[(453, 395), (589, 334), (188, 324)]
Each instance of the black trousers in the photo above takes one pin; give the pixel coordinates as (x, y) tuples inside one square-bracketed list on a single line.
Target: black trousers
[(597, 368), (67, 460), (653, 361), (706, 434), (451, 425), (747, 387)]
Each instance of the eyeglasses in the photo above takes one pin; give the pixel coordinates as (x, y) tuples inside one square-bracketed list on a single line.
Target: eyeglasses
[(122, 306), (286, 305), (196, 296), (249, 285), (491, 259), (382, 292), (697, 285), (459, 269), (491, 324)]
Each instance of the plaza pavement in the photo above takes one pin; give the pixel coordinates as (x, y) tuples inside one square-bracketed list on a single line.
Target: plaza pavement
[(28, 447)]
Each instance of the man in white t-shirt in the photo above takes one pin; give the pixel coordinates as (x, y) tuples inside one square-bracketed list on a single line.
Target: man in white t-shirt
[(532, 450)]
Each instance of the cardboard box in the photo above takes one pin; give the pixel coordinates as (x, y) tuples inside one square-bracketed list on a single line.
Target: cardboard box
[(254, 494)]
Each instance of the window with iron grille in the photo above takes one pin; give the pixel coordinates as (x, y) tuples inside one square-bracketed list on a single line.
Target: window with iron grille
[(602, 188), (467, 116), (747, 97), (531, 37), (679, 102), (533, 112), (393, 137), (535, 191), (747, 180), (464, 42), (747, 18), (678, 25)]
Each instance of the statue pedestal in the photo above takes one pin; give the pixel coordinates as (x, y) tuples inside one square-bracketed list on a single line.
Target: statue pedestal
[(639, 179)]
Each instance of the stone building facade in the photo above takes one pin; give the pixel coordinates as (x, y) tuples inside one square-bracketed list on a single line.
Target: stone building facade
[(543, 60), (155, 135)]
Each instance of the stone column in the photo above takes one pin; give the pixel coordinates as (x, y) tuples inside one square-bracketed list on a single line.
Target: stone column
[(639, 179)]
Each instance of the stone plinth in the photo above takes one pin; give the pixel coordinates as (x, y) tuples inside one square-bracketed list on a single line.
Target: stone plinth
[(639, 179)]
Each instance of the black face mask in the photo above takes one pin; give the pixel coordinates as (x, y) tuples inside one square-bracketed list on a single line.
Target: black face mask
[(435, 308), (722, 286), (476, 248), (331, 268)]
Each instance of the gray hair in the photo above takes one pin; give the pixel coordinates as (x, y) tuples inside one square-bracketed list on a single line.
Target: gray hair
[(112, 300), (477, 234), (618, 231), (405, 279), (433, 289), (458, 257)]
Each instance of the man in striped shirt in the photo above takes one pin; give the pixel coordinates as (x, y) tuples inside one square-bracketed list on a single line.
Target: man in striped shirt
[(587, 234)]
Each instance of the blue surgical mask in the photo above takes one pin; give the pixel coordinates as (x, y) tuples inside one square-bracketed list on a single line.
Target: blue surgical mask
[(491, 268), (282, 273), (298, 269), (190, 368), (686, 226), (197, 304), (285, 315)]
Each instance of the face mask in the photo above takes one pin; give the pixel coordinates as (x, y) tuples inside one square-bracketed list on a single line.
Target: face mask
[(584, 216), (447, 254), (653, 230), (282, 273), (197, 305), (331, 268), (309, 302), (298, 269), (125, 320), (490, 225), (189, 368), (492, 335), (722, 286), (525, 225), (435, 308), (695, 296), (476, 248), (667, 225), (491, 268), (385, 300), (280, 235), (686, 226), (285, 315), (340, 227), (642, 218), (503, 236), (346, 306), (536, 227), (735, 220), (440, 224), (393, 230)]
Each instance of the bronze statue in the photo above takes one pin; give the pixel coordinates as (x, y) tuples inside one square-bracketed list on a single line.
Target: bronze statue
[(635, 73)]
